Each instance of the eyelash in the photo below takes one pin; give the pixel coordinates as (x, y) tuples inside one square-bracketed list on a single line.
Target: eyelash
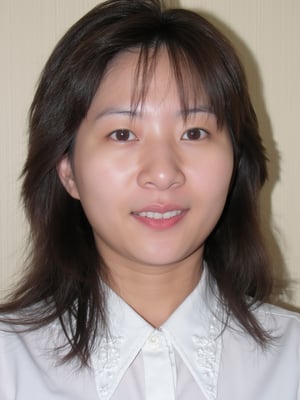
[(125, 135)]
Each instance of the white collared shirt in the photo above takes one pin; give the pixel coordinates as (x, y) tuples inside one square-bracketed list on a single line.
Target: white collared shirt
[(191, 357)]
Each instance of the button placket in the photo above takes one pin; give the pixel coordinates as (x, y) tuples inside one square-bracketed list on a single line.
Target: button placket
[(158, 366)]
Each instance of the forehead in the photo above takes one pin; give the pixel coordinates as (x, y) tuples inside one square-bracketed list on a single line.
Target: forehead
[(136, 77), (127, 70)]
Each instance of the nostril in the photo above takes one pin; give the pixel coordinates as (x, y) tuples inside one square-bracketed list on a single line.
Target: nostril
[(162, 180)]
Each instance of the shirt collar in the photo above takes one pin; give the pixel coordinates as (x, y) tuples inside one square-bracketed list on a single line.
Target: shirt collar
[(193, 329)]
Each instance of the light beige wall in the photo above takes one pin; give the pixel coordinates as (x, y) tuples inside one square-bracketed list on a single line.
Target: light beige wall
[(266, 34)]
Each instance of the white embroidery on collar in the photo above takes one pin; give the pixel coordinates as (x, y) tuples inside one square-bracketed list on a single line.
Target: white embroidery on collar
[(208, 354), (106, 363)]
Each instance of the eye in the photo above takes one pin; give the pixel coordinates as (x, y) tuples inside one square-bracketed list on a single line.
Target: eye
[(122, 135), (194, 134)]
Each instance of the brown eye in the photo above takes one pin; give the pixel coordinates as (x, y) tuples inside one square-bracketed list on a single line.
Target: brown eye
[(122, 135), (194, 134)]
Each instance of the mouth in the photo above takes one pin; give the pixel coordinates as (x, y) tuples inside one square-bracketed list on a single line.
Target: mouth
[(158, 215), (159, 220)]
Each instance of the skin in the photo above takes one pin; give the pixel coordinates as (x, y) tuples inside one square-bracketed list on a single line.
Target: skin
[(154, 160)]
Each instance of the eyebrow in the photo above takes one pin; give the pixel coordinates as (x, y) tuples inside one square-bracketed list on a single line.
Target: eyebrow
[(195, 110), (118, 111), (134, 113)]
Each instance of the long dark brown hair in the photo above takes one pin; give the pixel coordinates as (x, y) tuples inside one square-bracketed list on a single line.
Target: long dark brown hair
[(64, 275)]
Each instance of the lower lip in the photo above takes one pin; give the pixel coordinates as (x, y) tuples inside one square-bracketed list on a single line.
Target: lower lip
[(160, 224)]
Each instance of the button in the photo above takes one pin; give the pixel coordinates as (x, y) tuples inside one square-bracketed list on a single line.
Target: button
[(154, 342), (154, 339)]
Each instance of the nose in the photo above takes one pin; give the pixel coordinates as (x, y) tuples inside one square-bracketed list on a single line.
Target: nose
[(160, 168)]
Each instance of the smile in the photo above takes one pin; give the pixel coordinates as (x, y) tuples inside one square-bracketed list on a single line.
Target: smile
[(158, 215), (159, 220)]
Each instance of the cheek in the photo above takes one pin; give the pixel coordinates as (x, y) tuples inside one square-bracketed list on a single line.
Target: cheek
[(221, 173), (214, 173), (101, 182)]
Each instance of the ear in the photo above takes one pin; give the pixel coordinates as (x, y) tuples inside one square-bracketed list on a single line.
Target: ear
[(66, 176)]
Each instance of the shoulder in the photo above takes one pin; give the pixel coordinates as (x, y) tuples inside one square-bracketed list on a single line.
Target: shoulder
[(272, 369), (278, 320), (19, 340), (16, 359), (21, 345), (283, 328), (28, 359)]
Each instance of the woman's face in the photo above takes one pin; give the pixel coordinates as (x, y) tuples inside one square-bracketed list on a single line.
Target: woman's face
[(153, 184)]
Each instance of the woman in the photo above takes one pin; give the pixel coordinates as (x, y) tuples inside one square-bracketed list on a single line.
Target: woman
[(148, 276)]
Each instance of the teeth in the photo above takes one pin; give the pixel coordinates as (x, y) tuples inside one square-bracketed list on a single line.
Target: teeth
[(157, 215)]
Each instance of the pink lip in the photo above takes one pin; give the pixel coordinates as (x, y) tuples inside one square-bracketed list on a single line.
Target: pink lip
[(161, 223)]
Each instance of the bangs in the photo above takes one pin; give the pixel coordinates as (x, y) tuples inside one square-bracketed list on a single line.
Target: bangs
[(193, 84)]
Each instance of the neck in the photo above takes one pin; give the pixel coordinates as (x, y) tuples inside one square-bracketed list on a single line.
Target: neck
[(155, 292)]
